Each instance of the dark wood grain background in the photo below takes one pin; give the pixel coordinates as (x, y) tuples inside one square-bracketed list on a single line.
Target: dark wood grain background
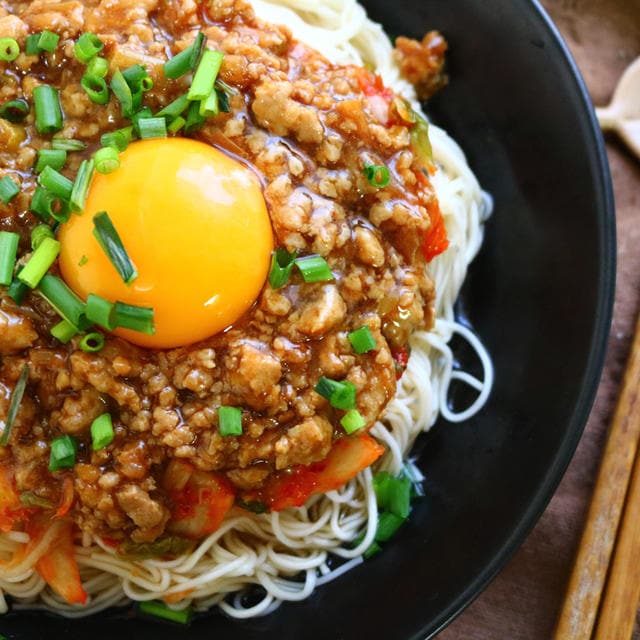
[(523, 602)]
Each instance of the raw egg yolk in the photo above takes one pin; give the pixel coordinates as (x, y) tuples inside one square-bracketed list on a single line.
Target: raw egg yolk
[(195, 225)]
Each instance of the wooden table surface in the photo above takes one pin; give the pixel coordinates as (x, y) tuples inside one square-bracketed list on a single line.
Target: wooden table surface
[(522, 603)]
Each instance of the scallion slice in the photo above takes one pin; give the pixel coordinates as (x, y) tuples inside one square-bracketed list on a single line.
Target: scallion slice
[(63, 331), (47, 41), (14, 404), (81, 185), (393, 494), (67, 144), (133, 76), (66, 303), (8, 252), (17, 291), (111, 243), (362, 340), (175, 125), (281, 266), (46, 206), (194, 119), (205, 75), (388, 524), (63, 453), (9, 49), (100, 311), (102, 433), (352, 421), (142, 114), (377, 175), (98, 67), (96, 88), (160, 610), (107, 160), (135, 318), (8, 189), (174, 109), (92, 342), (152, 128), (341, 395), (38, 235), (54, 158), (46, 101), (31, 46), (186, 60), (55, 183), (120, 138), (223, 101), (122, 91), (15, 110), (314, 268), (87, 47), (209, 107), (230, 420), (39, 262)]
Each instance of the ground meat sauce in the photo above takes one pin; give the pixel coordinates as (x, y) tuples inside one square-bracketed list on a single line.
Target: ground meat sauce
[(308, 128)]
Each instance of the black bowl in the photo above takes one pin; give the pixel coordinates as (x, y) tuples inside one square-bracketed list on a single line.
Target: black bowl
[(540, 296)]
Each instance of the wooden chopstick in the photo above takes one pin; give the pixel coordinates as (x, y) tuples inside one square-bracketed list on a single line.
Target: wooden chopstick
[(580, 607), (617, 613)]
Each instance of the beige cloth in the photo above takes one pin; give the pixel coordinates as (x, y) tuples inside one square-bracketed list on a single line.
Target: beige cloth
[(523, 601)]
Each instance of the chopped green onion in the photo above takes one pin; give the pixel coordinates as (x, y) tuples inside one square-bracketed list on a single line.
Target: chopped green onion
[(314, 269), (230, 419), (9, 49), (205, 75), (102, 434), (14, 404), (281, 266), (186, 60), (176, 125), (87, 47), (42, 204), (63, 453), (39, 262), (120, 138), (39, 233), (144, 113), (46, 102), (8, 252), (83, 261), (66, 303), (31, 47), (194, 119), (362, 340), (223, 101), (146, 84), (108, 238), (377, 175), (57, 184), (133, 76), (54, 158), (393, 494), (33, 501), (135, 318), (15, 110), (209, 107), (8, 189), (122, 91), (17, 291), (373, 549), (47, 41), (341, 395), (152, 128), (388, 524), (174, 109), (81, 185), (352, 421), (67, 144), (63, 331), (98, 67), (100, 311), (96, 88), (92, 342), (160, 610), (420, 142), (107, 160)]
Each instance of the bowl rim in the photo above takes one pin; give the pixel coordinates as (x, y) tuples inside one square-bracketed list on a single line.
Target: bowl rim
[(606, 226)]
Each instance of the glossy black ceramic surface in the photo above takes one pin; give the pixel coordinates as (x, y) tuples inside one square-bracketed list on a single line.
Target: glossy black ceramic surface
[(539, 295)]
